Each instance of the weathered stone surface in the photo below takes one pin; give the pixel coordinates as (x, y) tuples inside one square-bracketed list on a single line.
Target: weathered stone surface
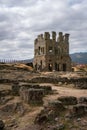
[(68, 100), (2, 125), (82, 100), (4, 100), (12, 108), (5, 93), (7, 81), (79, 110), (81, 85), (22, 92), (59, 127), (56, 105), (48, 55), (40, 119), (31, 127), (32, 96), (15, 88), (12, 124), (47, 89), (31, 85), (48, 80), (50, 112)]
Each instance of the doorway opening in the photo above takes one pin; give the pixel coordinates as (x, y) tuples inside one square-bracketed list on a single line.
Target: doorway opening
[(56, 67), (64, 67), (50, 67)]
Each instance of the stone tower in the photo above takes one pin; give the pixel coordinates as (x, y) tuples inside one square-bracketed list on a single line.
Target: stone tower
[(51, 54)]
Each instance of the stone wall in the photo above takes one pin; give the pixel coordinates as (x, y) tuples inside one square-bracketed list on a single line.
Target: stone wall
[(33, 93), (51, 54), (78, 82), (32, 96)]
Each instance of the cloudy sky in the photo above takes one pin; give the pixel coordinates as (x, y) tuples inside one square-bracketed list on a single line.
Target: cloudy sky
[(22, 20)]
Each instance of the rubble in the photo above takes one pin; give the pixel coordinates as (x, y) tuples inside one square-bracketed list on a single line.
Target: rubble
[(68, 100), (50, 111), (32, 96), (79, 110), (82, 100), (15, 89), (2, 125)]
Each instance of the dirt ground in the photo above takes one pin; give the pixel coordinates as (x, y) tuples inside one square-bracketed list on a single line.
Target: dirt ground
[(25, 121), (65, 90)]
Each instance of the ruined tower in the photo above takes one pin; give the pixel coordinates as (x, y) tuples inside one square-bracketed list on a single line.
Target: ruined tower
[(52, 54)]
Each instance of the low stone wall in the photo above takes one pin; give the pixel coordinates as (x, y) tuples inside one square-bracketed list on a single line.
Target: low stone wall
[(78, 82), (79, 110), (47, 88), (15, 89), (58, 110), (6, 81), (5, 93), (32, 96), (68, 100), (31, 93)]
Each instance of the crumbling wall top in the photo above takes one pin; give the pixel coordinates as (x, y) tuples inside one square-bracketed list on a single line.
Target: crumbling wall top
[(46, 35), (67, 37)]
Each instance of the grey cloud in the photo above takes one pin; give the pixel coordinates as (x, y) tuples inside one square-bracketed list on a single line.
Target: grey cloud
[(73, 2), (17, 3), (25, 44), (21, 22)]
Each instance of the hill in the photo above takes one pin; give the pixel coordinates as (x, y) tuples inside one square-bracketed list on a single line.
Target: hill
[(80, 58), (26, 61)]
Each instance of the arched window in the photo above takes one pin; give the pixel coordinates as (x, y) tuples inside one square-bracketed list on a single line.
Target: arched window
[(50, 49), (39, 51)]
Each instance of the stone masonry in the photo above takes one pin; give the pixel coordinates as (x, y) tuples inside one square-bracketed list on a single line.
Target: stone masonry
[(52, 54)]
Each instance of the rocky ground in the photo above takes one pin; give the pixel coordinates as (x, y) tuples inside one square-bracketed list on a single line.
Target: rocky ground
[(62, 98)]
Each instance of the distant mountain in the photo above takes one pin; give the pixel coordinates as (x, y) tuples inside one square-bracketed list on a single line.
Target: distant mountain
[(80, 58), (26, 61)]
